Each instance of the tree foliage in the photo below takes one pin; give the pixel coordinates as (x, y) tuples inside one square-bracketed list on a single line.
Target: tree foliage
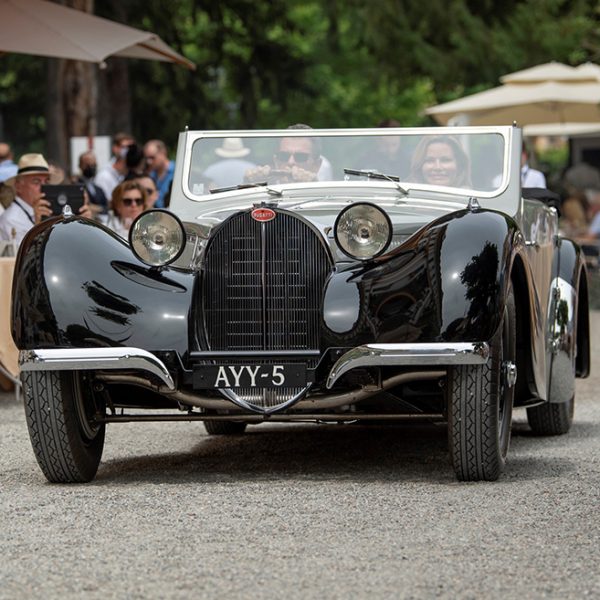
[(328, 63)]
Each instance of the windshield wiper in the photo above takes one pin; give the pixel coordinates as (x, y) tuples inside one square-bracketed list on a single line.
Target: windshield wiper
[(244, 186), (377, 175), (241, 186)]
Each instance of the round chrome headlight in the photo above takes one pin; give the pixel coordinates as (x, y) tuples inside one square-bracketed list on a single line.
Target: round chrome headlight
[(157, 237), (363, 231)]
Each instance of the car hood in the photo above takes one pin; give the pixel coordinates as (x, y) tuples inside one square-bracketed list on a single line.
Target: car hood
[(408, 213)]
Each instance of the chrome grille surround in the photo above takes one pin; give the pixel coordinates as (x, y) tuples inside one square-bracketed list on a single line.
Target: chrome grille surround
[(262, 291)]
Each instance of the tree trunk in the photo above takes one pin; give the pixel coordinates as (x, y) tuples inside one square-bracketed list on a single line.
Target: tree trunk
[(114, 112), (56, 148), (71, 99)]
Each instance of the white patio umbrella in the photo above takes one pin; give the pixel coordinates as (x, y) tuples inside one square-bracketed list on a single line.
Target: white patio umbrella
[(550, 93), (47, 29), (561, 129), (552, 71)]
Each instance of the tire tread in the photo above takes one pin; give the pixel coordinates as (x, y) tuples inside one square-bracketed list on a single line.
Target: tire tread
[(52, 429), (551, 419)]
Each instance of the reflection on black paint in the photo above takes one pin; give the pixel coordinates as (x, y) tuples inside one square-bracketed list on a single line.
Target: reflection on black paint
[(562, 316), (480, 278), (111, 316), (109, 306), (83, 337), (104, 297)]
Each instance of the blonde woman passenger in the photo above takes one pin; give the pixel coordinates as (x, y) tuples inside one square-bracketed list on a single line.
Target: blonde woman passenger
[(440, 160)]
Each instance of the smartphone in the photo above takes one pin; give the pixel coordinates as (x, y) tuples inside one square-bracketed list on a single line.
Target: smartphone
[(59, 195)]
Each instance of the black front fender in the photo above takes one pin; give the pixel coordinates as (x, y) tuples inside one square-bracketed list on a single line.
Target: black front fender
[(447, 283), (77, 284)]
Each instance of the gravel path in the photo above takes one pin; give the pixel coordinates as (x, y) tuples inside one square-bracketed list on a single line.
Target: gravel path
[(305, 511)]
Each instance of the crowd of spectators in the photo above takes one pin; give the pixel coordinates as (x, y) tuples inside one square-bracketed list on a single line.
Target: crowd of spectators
[(22, 202), (580, 204), (136, 178)]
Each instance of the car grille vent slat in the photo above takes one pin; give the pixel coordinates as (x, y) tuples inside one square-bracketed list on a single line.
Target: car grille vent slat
[(263, 286), (270, 297)]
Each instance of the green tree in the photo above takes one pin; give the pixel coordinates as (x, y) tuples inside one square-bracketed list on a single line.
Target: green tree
[(328, 63)]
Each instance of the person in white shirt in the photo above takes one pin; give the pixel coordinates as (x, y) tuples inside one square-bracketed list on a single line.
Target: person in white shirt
[(29, 206), (530, 178)]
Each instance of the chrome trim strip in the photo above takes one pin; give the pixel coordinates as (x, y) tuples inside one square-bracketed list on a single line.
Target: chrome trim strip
[(385, 355), (91, 359), (240, 354)]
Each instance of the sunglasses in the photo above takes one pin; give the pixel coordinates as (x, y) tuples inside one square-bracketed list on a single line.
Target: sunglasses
[(299, 157), (129, 201)]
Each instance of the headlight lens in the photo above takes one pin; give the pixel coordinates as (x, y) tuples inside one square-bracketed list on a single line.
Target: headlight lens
[(157, 237), (363, 231)]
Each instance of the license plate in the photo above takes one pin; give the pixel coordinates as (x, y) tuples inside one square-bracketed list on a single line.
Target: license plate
[(249, 376)]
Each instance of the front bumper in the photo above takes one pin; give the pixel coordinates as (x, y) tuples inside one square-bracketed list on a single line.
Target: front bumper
[(394, 355), (369, 355), (92, 359)]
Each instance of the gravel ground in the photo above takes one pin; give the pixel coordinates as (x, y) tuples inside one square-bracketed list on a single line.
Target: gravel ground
[(305, 511)]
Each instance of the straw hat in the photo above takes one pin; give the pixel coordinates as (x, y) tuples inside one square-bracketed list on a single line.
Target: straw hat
[(232, 147), (30, 164)]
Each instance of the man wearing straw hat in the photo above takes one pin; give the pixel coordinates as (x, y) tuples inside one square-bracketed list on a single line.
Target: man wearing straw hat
[(29, 205), (230, 170)]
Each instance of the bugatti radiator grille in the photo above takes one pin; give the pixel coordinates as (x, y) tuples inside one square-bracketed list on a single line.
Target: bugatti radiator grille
[(263, 285)]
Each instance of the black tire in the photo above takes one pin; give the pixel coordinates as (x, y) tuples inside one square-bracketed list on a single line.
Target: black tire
[(480, 406), (551, 419), (59, 408), (225, 427)]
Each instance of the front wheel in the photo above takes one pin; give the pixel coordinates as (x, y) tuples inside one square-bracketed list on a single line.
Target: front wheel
[(61, 411), (480, 402)]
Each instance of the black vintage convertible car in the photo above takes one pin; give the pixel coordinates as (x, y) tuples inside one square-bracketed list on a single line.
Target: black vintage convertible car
[(310, 275)]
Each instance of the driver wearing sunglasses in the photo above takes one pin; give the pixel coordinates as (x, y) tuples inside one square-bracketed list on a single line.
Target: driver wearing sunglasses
[(297, 159)]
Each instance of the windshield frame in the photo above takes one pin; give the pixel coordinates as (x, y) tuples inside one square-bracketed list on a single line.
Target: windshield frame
[(190, 138)]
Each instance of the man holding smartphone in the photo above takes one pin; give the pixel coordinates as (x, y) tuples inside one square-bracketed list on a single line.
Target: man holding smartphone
[(29, 206)]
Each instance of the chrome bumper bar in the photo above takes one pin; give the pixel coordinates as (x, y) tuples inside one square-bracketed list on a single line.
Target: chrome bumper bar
[(392, 355), (369, 355), (91, 359)]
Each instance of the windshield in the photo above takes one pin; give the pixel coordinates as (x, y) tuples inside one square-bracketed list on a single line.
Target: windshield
[(473, 161)]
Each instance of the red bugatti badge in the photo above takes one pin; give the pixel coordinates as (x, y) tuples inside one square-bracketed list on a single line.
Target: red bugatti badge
[(262, 215)]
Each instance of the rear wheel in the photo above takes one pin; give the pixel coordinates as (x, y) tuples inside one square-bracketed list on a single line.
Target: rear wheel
[(225, 427), (551, 419), (480, 402), (61, 409)]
